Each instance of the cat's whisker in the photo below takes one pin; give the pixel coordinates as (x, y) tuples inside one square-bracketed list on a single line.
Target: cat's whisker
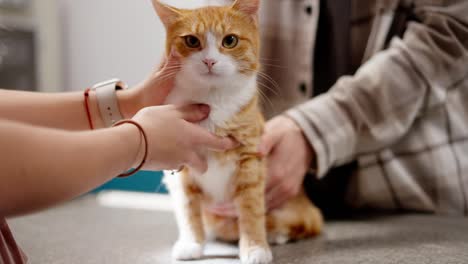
[(172, 67), (171, 71), (273, 65), (262, 94), (269, 59), (167, 76), (267, 78), (271, 81), (264, 97), (172, 64)]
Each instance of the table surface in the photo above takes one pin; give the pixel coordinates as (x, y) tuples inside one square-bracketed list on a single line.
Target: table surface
[(85, 232)]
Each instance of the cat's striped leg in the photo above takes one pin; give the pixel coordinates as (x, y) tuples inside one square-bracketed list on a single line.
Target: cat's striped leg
[(250, 203), (187, 208)]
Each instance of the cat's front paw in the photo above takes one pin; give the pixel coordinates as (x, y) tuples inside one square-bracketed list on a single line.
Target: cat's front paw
[(278, 239), (256, 255), (187, 250)]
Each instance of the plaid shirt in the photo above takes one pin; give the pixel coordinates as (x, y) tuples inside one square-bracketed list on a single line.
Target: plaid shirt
[(403, 115)]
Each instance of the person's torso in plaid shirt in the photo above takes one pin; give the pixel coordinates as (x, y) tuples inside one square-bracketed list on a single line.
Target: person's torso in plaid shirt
[(403, 115)]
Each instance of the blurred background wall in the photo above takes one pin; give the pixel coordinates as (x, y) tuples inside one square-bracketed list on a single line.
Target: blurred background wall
[(64, 45), (30, 45)]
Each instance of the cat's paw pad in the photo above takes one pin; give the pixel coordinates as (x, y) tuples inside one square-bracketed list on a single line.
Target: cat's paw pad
[(187, 250), (256, 255)]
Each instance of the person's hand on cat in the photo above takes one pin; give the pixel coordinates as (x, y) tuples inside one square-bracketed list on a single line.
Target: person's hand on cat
[(289, 156), (152, 91), (175, 140)]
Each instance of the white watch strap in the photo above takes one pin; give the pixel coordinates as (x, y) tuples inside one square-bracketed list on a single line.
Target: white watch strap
[(107, 102)]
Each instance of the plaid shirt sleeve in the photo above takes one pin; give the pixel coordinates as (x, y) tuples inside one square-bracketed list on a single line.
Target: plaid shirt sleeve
[(379, 105)]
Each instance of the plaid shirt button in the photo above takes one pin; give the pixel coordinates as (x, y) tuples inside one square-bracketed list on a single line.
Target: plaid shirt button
[(303, 88)]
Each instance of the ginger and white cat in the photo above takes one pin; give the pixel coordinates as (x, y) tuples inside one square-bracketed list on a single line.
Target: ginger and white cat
[(219, 50)]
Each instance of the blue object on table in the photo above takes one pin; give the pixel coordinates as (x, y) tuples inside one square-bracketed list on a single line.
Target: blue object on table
[(143, 181)]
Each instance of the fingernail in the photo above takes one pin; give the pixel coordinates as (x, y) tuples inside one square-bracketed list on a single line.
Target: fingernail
[(204, 108)]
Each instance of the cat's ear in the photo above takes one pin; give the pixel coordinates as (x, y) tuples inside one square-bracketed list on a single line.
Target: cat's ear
[(167, 14), (249, 7)]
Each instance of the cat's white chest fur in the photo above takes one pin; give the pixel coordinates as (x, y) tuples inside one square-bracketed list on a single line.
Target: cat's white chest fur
[(225, 98), (216, 180)]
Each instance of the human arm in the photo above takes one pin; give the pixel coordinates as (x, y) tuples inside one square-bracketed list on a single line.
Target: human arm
[(43, 166), (379, 104), (67, 110), (55, 110)]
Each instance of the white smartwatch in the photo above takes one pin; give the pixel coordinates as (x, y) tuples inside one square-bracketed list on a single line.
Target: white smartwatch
[(107, 100)]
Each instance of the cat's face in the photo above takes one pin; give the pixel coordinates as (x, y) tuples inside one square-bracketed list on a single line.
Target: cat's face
[(215, 43)]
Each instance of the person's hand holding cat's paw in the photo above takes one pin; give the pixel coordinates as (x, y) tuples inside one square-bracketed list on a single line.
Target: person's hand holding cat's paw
[(289, 156)]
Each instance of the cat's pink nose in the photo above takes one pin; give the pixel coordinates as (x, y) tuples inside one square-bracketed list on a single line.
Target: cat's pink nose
[(209, 63)]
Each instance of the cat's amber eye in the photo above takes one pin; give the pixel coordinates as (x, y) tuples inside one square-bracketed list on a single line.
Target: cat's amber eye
[(192, 41), (230, 41)]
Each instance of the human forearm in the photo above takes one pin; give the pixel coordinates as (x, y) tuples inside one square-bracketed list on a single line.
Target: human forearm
[(60, 110), (41, 167), (67, 110), (380, 103)]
